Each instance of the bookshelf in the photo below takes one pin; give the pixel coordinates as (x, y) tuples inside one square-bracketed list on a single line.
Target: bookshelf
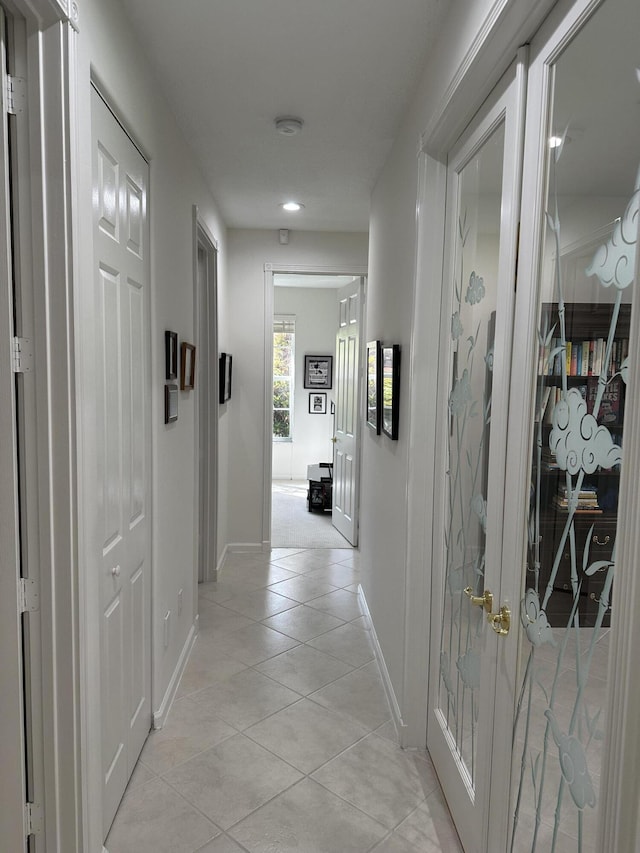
[(587, 327)]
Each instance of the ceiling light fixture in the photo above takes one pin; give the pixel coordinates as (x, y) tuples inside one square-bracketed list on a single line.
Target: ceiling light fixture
[(288, 125), (292, 206)]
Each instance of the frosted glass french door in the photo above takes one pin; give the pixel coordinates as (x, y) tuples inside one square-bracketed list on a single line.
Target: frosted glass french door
[(581, 204), (483, 182)]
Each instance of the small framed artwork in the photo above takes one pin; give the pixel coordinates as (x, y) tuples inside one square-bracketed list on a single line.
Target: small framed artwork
[(187, 366), (390, 390), (224, 376), (171, 355), (318, 372), (373, 386), (170, 403), (318, 403)]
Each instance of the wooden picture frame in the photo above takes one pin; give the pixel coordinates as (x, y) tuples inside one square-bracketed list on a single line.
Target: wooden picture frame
[(170, 403), (171, 355), (318, 403), (390, 396), (187, 366), (318, 372), (373, 386), (225, 365)]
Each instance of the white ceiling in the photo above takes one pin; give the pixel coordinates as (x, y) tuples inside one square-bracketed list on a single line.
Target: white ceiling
[(346, 67)]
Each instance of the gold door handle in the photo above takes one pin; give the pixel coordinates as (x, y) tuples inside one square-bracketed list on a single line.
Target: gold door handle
[(501, 621), (334, 439), (600, 541), (485, 600)]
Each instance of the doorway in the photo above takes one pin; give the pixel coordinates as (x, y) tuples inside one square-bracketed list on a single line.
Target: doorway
[(302, 426), (206, 322)]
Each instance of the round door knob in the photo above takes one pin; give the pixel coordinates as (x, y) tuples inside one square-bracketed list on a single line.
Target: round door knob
[(334, 439), (115, 571)]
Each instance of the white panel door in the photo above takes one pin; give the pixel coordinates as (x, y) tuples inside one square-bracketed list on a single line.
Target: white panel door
[(345, 441), (467, 666), (121, 258), (13, 793)]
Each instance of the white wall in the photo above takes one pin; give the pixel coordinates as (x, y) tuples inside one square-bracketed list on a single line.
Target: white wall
[(107, 47), (248, 252), (316, 316)]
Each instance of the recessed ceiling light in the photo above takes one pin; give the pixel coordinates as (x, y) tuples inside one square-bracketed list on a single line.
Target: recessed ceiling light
[(288, 125), (555, 141), (292, 206)]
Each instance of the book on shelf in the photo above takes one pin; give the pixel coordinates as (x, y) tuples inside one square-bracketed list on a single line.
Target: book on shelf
[(586, 499), (610, 411), (584, 357)]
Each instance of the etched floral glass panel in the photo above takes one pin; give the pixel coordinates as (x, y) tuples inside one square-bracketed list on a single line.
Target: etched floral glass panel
[(472, 326), (587, 281)]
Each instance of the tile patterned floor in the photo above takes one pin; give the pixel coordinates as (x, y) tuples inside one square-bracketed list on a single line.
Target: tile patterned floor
[(280, 738)]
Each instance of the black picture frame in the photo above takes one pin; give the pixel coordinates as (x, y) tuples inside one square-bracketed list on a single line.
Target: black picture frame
[(170, 403), (318, 403), (318, 372), (225, 365), (187, 366), (390, 369), (171, 355), (373, 386)]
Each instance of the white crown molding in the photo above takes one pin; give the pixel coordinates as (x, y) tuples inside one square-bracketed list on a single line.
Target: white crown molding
[(49, 12), (69, 10)]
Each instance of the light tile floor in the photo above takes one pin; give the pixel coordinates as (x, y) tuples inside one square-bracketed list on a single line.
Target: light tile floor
[(280, 738)]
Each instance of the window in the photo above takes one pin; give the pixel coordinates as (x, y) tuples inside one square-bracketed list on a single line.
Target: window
[(284, 329)]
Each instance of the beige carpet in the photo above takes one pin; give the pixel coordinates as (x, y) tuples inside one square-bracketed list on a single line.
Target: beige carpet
[(293, 526)]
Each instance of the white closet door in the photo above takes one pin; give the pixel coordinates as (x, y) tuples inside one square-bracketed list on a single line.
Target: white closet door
[(121, 251)]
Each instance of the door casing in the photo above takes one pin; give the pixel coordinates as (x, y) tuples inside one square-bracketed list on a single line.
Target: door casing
[(206, 419)]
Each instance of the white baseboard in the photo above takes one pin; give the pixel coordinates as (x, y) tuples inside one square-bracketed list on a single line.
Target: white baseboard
[(223, 557), (394, 707), (244, 547), (160, 716)]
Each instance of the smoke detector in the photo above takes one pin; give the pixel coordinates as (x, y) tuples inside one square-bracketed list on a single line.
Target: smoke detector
[(288, 125)]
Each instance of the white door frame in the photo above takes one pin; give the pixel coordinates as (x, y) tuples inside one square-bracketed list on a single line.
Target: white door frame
[(269, 271), (48, 225), (206, 415)]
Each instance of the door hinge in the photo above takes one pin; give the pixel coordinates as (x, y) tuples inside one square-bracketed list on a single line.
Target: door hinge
[(21, 355), (32, 819), (15, 95), (28, 595)]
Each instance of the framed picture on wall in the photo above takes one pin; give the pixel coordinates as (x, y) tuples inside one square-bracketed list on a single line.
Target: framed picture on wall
[(171, 355), (170, 403), (187, 366), (373, 386), (224, 376), (318, 403), (390, 389), (318, 371)]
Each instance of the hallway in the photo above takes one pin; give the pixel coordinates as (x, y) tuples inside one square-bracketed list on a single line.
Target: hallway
[(280, 738)]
